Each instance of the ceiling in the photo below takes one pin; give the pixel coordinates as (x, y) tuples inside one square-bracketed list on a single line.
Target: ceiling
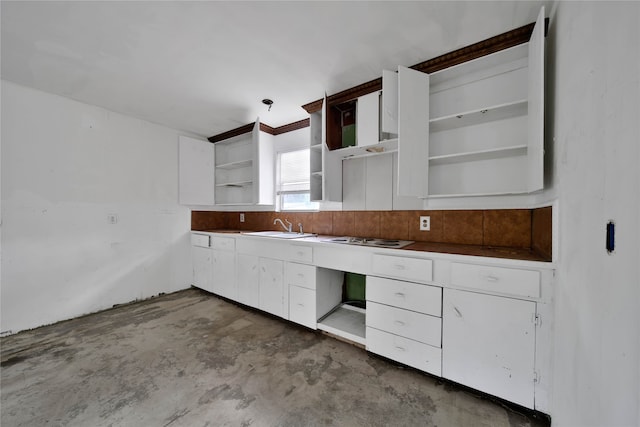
[(204, 67)]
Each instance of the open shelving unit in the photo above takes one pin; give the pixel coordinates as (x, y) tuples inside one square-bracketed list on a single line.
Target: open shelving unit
[(345, 321)]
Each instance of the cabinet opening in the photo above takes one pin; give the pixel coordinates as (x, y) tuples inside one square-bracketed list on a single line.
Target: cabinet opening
[(347, 318)]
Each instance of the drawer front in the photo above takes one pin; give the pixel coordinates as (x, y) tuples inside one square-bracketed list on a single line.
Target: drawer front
[(223, 243), (302, 306), (409, 324), (300, 275), (300, 253), (415, 269), (200, 240), (524, 283), (415, 354), (411, 296)]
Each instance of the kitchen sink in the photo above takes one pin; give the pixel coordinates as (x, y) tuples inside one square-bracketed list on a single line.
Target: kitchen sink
[(279, 234)]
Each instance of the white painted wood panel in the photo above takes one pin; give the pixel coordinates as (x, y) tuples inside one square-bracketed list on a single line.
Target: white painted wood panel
[(400, 203), (272, 286), (379, 182), (524, 283), (488, 343), (535, 152), (196, 172), (367, 119), (302, 306), (248, 279), (224, 273), (405, 323), (353, 184), (408, 295), (300, 275), (413, 353), (389, 102), (201, 240), (415, 269), (223, 243), (202, 268), (413, 132)]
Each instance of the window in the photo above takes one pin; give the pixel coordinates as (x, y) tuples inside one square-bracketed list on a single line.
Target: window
[(293, 181)]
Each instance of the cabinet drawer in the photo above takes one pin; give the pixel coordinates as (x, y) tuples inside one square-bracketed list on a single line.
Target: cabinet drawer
[(525, 283), (302, 306), (300, 253), (223, 243), (300, 275), (411, 296), (416, 269), (409, 324), (200, 240), (413, 353)]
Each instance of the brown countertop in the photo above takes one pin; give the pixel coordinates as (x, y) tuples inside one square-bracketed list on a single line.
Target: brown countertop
[(524, 254)]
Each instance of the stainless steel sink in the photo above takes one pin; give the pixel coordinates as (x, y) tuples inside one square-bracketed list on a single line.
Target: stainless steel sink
[(280, 234)]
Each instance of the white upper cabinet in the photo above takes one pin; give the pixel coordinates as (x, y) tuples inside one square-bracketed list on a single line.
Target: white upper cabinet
[(326, 165), (196, 172), (244, 169), (486, 123)]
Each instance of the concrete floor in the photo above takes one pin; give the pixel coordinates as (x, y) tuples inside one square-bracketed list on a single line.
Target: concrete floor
[(191, 359)]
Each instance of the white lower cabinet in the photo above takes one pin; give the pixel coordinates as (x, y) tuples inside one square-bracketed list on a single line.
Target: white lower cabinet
[(488, 343), (271, 283), (248, 280), (224, 273), (403, 322), (302, 306)]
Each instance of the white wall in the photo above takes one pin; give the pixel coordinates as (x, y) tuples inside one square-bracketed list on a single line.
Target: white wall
[(65, 167), (594, 81)]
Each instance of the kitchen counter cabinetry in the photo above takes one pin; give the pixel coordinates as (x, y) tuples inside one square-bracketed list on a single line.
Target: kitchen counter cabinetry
[(202, 261), (470, 319), (223, 275)]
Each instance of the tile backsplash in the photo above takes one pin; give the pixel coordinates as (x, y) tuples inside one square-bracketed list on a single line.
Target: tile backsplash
[(516, 228)]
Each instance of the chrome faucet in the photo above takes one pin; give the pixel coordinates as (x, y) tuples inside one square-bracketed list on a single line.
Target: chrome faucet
[(286, 227), (300, 225)]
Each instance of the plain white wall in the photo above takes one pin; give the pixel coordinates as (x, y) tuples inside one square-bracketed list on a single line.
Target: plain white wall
[(594, 84), (65, 167)]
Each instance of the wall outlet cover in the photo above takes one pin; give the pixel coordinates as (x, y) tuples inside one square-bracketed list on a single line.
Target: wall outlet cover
[(425, 223), (241, 217)]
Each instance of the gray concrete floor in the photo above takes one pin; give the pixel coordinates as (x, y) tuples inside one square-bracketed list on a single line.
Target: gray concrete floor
[(191, 359)]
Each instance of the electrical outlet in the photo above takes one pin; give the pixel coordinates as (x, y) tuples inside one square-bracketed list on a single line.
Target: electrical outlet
[(112, 218), (425, 223), (241, 217)]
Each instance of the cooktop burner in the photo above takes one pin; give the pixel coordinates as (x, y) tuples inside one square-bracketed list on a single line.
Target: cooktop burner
[(367, 241)]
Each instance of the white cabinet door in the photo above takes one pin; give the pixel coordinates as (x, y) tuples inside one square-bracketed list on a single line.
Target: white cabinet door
[(331, 165), (367, 119), (389, 102), (488, 343), (195, 172), (272, 286), (402, 203), (413, 132), (368, 183), (248, 280), (202, 266), (224, 274), (535, 148)]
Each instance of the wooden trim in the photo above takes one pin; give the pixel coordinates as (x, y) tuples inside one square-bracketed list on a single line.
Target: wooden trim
[(486, 47), (300, 124), (314, 106), (231, 133), (267, 129), (354, 92)]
